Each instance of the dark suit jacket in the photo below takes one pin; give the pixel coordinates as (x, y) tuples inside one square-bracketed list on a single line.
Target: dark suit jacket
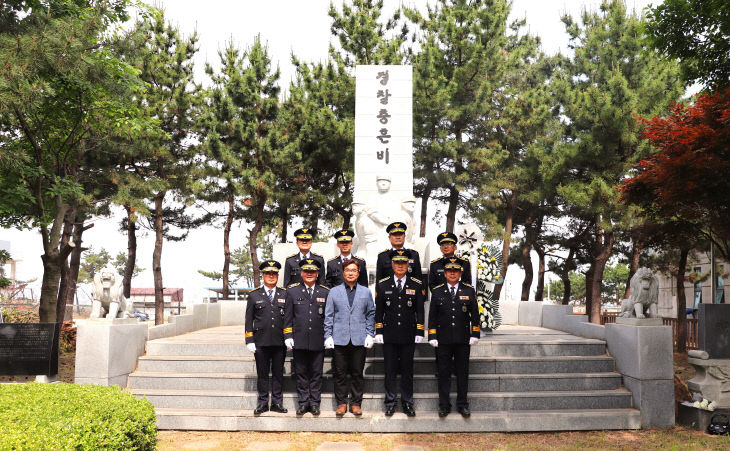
[(264, 321), (453, 321), (334, 272), (384, 267), (304, 316), (291, 269), (399, 315)]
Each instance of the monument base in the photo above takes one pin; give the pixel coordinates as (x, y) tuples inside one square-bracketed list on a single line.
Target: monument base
[(640, 322), (711, 380), (696, 418)]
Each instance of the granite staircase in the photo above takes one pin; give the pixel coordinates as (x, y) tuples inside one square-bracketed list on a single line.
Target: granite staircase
[(521, 379)]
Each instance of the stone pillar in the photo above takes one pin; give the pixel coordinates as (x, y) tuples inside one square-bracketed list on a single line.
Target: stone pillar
[(644, 356), (107, 350)]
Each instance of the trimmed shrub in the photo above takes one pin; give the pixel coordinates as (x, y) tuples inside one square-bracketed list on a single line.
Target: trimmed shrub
[(79, 417)]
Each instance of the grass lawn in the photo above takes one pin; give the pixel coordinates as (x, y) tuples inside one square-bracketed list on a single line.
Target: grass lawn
[(678, 438)]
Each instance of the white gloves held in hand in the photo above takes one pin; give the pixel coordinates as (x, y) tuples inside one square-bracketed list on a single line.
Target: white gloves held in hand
[(289, 342), (251, 347), (369, 341), (329, 343), (379, 339), (419, 338), (473, 341), (434, 343)]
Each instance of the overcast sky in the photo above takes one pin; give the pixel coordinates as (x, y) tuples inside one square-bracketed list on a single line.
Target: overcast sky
[(287, 26)]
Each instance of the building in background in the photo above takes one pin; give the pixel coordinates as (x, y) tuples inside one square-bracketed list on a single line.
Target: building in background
[(698, 287)]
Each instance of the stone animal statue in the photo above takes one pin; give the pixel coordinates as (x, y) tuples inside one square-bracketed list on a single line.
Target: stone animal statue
[(108, 295), (644, 296)]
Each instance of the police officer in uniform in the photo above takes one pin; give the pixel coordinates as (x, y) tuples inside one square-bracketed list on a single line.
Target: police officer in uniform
[(453, 326), (397, 236), (291, 265), (447, 242), (265, 338), (399, 326), (304, 332), (334, 266)]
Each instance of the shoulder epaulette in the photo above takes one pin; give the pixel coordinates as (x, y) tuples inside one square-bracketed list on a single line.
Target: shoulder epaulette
[(384, 279), (436, 259), (324, 286), (292, 285), (331, 259), (438, 286), (463, 258), (382, 252), (466, 285), (316, 255), (292, 255), (416, 280), (358, 258)]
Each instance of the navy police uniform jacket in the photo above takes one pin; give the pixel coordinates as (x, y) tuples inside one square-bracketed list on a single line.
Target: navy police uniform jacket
[(436, 272), (264, 319), (304, 316), (334, 272), (453, 321), (399, 315), (291, 269), (384, 267)]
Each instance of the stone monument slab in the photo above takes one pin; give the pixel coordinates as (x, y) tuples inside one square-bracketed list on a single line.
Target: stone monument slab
[(29, 349), (713, 334)]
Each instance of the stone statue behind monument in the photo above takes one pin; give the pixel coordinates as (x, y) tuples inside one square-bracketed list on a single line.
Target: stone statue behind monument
[(108, 295)]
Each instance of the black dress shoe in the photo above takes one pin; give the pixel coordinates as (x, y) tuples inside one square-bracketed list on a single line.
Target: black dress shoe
[(389, 411), (408, 410), (261, 408), (314, 410), (278, 408), (444, 411), (302, 409), (465, 412)]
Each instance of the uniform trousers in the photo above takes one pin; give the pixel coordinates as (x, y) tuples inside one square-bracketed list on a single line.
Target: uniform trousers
[(308, 373), (459, 355), (398, 358), (349, 360), (270, 358)]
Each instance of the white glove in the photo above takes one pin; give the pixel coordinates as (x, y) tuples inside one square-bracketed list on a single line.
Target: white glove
[(329, 343), (369, 341), (473, 341), (419, 338), (251, 347), (289, 342), (434, 343), (379, 339)]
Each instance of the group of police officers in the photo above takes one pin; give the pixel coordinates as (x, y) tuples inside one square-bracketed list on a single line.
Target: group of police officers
[(278, 319)]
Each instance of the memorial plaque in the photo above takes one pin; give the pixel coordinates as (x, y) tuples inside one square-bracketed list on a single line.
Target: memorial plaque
[(29, 349), (713, 334)]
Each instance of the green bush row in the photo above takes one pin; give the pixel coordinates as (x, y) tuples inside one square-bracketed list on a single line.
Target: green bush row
[(74, 417)]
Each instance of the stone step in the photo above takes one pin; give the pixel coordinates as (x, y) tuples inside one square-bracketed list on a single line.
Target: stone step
[(497, 421), (374, 365), (479, 401), (574, 346), (375, 383)]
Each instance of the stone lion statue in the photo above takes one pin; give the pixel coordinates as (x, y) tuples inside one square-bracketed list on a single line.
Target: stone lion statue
[(644, 296), (108, 295)]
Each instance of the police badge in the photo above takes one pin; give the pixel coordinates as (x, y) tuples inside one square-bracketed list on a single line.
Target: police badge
[(463, 308), (387, 303), (410, 303), (321, 310)]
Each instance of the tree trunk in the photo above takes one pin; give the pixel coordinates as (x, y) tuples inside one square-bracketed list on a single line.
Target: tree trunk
[(527, 258), (451, 212), (589, 287), (253, 242), (565, 276), (54, 254), (227, 246), (604, 244), (539, 292), (681, 302), (65, 282), (131, 251), (636, 249), (284, 224), (506, 241), (157, 261), (75, 262), (424, 210)]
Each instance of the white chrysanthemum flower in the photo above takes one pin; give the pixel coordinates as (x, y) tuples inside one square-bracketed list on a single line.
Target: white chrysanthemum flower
[(696, 404)]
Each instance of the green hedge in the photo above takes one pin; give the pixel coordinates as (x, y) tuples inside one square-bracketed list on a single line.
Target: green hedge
[(79, 417)]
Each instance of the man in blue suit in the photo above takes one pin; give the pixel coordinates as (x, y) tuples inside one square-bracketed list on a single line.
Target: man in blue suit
[(349, 329)]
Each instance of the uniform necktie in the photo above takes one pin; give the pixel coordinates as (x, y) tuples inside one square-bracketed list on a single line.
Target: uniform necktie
[(309, 292), (270, 294), (400, 286), (453, 292)]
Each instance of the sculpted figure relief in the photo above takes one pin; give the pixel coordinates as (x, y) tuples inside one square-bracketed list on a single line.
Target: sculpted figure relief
[(108, 295), (644, 296)]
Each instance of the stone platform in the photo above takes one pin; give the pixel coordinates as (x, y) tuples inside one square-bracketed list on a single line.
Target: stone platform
[(522, 378)]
